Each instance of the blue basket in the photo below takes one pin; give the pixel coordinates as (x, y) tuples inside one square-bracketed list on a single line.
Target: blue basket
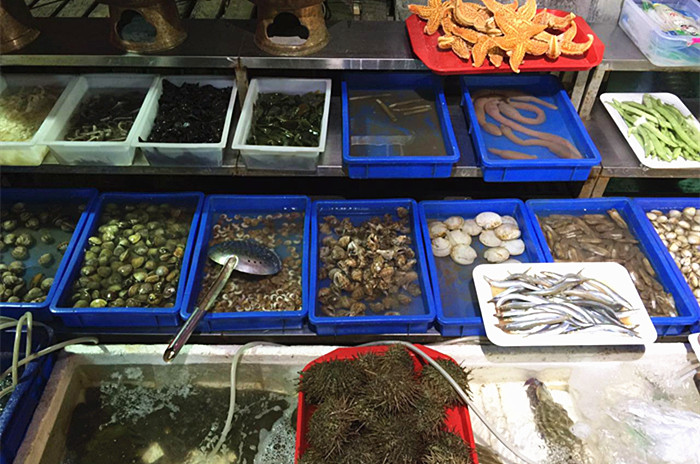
[(251, 205), (381, 164), (661, 262), (420, 314), (40, 311), (455, 298), (564, 122), (665, 204), (19, 409), (126, 317)]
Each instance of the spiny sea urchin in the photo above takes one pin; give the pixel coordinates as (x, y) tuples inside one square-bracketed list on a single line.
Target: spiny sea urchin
[(331, 379), (447, 448), (428, 415), (436, 387), (395, 439), (332, 426)]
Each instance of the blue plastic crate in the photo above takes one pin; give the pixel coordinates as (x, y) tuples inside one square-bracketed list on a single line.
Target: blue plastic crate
[(381, 163), (247, 205), (126, 317), (564, 122), (661, 262), (417, 317), (455, 298), (19, 409), (40, 311), (664, 204)]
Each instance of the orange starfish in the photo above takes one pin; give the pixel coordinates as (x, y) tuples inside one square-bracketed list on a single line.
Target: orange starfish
[(433, 13), (496, 56), (528, 10), (553, 21), (473, 15), (457, 45), (481, 49), (564, 44), (449, 26)]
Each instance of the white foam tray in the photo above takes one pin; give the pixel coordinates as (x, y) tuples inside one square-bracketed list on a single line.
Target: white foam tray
[(184, 154), (612, 274), (100, 153), (31, 152), (669, 98), (281, 158)]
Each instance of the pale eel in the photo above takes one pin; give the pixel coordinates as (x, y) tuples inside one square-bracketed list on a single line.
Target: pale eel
[(558, 149), (481, 115), (511, 154), (511, 110), (530, 98), (492, 110)]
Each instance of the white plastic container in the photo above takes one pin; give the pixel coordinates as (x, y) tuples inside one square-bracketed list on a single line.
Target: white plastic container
[(660, 47), (281, 158), (184, 154), (105, 153), (30, 152)]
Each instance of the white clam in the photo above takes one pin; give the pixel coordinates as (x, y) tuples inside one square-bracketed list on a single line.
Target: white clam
[(488, 220), (471, 227), (496, 255), (437, 229), (463, 255), (457, 237), (507, 232), (515, 247), (512, 261), (454, 222), (441, 247), (509, 220), (489, 239)]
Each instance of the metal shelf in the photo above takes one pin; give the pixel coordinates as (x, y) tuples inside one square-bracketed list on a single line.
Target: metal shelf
[(356, 45), (330, 163), (618, 160)]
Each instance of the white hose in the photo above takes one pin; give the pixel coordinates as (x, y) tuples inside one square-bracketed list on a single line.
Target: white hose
[(26, 320), (232, 397)]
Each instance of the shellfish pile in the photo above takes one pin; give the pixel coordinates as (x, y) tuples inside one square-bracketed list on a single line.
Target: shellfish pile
[(368, 266), (499, 234), (680, 232)]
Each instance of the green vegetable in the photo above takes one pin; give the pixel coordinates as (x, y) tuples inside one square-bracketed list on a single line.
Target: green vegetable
[(661, 129)]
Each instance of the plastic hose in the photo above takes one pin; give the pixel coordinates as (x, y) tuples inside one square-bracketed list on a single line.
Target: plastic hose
[(27, 321), (232, 397)]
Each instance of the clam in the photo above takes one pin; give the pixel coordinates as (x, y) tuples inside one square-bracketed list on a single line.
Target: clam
[(463, 255), (509, 220), (441, 247), (488, 220), (457, 237), (454, 222), (514, 247), (489, 238), (507, 231), (496, 254), (437, 229), (471, 227)]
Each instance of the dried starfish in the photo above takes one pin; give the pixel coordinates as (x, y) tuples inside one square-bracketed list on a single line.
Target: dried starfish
[(496, 56), (470, 14), (456, 44), (433, 13), (481, 49), (528, 10), (517, 42), (553, 21)]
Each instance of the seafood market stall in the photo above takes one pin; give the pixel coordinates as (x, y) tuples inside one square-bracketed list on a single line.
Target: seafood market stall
[(300, 232)]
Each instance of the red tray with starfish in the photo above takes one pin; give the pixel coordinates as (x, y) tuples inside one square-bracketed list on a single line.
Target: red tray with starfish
[(445, 62)]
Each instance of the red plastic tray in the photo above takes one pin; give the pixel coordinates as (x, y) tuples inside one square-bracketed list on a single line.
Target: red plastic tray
[(457, 418), (445, 62)]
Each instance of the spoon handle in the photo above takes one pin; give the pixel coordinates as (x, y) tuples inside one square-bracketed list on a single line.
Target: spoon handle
[(191, 323)]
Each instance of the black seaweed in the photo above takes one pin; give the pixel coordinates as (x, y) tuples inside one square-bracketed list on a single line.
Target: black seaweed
[(190, 113), (287, 120)]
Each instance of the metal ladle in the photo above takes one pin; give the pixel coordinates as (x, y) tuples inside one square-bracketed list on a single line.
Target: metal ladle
[(246, 256)]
